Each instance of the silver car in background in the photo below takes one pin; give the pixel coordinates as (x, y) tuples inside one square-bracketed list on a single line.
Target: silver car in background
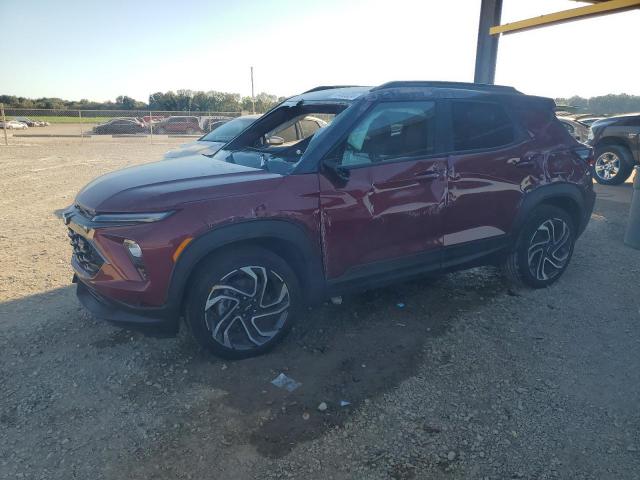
[(578, 130)]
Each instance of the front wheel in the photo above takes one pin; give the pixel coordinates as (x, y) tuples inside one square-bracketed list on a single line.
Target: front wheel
[(543, 249), (242, 302)]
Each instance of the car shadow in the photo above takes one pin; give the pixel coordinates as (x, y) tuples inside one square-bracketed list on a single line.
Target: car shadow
[(342, 355)]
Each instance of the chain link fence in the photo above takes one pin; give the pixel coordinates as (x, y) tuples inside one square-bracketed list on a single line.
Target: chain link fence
[(81, 124)]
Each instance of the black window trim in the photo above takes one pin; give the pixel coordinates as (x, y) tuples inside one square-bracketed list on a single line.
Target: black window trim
[(519, 135), (438, 143)]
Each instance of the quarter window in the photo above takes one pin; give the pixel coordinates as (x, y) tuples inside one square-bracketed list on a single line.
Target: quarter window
[(392, 131), (480, 125)]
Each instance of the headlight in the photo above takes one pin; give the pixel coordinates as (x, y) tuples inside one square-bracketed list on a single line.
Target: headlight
[(590, 136), (130, 217)]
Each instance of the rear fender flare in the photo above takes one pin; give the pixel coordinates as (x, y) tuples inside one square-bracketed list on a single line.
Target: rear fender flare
[(551, 194)]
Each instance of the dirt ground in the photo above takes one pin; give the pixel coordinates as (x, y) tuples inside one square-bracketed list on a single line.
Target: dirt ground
[(455, 377)]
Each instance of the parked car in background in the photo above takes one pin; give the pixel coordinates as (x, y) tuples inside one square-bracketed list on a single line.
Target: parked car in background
[(577, 130), (153, 118), (13, 125), (209, 124), (29, 122), (213, 141), (121, 126), (588, 121), (178, 125), (616, 141), (414, 178)]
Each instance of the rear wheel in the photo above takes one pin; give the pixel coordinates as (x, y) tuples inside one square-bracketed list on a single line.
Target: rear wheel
[(242, 302), (613, 165), (543, 249)]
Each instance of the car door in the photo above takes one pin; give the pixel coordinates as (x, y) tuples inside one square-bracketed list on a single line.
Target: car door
[(384, 216), (490, 166)]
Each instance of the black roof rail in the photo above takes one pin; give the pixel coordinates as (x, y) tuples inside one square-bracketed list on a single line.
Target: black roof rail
[(443, 84), (328, 87)]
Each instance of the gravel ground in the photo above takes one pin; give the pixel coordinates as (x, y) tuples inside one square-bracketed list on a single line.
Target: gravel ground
[(469, 379)]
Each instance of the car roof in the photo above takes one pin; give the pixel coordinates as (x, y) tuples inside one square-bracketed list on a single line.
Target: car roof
[(347, 94), (337, 94)]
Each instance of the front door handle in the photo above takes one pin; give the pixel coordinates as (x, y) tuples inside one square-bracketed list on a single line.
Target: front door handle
[(429, 174)]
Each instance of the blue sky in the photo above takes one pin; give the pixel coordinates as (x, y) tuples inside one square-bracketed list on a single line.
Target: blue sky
[(101, 49)]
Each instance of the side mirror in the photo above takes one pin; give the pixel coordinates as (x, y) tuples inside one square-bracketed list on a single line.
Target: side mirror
[(337, 171), (275, 141)]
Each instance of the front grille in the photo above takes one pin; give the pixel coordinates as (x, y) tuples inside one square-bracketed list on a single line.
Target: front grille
[(85, 253)]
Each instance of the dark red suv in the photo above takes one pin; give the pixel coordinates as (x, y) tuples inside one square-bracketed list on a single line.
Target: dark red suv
[(184, 125), (407, 178)]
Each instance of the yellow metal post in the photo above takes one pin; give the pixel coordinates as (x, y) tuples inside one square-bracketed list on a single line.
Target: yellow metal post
[(602, 8)]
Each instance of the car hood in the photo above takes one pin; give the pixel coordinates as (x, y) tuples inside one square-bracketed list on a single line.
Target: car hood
[(191, 148), (167, 184)]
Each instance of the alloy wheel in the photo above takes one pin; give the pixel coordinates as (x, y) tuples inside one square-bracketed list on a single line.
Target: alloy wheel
[(247, 308), (549, 249), (607, 165)]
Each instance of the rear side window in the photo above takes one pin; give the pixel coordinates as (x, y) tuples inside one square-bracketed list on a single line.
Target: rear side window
[(480, 125)]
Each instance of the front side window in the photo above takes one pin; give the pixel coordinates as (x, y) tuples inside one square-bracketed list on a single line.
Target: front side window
[(391, 131), (480, 125), (308, 127), (288, 134)]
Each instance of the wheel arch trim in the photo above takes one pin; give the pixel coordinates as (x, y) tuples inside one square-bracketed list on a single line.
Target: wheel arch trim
[(310, 271), (552, 194)]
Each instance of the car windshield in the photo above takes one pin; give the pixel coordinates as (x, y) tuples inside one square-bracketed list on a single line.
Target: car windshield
[(277, 141), (229, 130)]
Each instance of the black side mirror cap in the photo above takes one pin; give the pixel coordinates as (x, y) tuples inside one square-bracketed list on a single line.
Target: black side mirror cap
[(338, 172)]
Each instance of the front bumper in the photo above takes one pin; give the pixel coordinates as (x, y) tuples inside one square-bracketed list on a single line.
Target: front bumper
[(164, 318)]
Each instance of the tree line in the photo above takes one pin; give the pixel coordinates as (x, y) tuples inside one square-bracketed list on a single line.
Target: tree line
[(179, 101), (214, 101), (604, 104)]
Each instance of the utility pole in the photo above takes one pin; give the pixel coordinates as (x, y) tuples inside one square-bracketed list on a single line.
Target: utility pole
[(487, 49), (253, 98)]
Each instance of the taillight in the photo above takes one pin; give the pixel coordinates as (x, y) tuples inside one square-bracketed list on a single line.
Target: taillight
[(586, 155)]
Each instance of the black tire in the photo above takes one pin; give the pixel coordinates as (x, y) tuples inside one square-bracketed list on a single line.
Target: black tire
[(540, 257), (229, 327), (624, 162)]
